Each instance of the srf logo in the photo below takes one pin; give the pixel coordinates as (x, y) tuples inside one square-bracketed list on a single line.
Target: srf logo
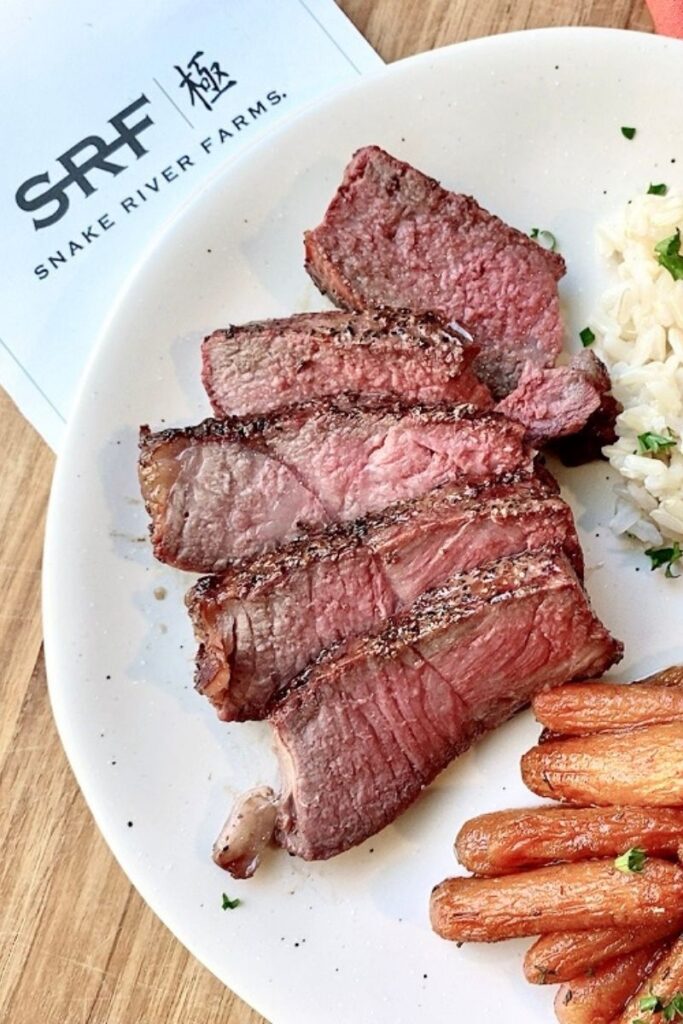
[(92, 153)]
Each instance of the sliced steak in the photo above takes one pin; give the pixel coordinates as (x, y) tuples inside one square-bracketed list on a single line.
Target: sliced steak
[(364, 730), (392, 236), (230, 488), (261, 622), (558, 402), (258, 367), (600, 427)]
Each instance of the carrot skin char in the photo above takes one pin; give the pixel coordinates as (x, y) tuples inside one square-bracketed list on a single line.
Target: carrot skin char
[(561, 956), (564, 897), (581, 708), (665, 981), (506, 841), (598, 997), (641, 767)]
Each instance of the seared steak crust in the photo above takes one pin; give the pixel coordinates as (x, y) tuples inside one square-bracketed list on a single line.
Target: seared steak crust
[(364, 729), (260, 366), (393, 236), (261, 621), (231, 488)]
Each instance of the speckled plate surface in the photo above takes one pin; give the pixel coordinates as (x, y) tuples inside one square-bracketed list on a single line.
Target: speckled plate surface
[(529, 124)]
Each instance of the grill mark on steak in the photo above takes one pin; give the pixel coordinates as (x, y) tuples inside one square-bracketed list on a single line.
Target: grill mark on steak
[(392, 235), (257, 367), (351, 577), (375, 719), (226, 489)]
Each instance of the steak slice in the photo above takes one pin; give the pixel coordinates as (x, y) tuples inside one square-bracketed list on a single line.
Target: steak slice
[(258, 367), (262, 621), (558, 402), (600, 427), (230, 488), (392, 236), (364, 730)]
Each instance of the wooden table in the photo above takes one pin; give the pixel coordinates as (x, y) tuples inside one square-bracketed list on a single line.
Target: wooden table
[(77, 944)]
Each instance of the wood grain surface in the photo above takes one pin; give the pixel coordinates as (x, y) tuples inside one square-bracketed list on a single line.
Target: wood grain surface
[(77, 944)]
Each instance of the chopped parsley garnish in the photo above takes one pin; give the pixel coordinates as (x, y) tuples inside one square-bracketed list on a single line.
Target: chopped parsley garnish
[(544, 238), (656, 443), (658, 190), (587, 337), (665, 556), (628, 133), (669, 255), (229, 904), (631, 861), (674, 1008)]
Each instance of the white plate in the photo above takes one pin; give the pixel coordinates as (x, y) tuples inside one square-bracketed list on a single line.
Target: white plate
[(530, 124)]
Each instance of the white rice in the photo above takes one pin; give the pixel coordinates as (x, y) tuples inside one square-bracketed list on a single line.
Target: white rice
[(639, 335)]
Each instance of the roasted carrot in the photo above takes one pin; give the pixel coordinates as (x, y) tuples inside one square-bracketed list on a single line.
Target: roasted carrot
[(506, 841), (561, 956), (663, 986), (597, 998), (565, 897), (642, 767), (581, 708)]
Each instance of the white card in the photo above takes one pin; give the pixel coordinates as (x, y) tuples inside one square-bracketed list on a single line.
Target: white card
[(113, 115)]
